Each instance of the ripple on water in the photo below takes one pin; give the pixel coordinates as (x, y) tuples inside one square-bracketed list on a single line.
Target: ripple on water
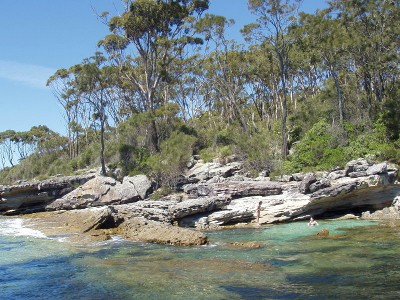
[(292, 264)]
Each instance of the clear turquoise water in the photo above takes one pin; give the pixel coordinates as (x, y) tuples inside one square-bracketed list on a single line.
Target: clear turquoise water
[(363, 262)]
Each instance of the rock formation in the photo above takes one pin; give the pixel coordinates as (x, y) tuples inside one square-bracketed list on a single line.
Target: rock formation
[(31, 196), (104, 191), (216, 194)]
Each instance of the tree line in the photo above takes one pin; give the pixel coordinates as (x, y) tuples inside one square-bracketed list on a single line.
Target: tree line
[(168, 64)]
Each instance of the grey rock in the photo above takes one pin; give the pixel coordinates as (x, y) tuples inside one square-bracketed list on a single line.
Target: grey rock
[(336, 174), (199, 205), (230, 216), (284, 178), (99, 216), (304, 186), (377, 169), (102, 191), (141, 229), (298, 176), (31, 196), (387, 213), (150, 210), (357, 165), (234, 189), (140, 183), (206, 171), (357, 174), (319, 184)]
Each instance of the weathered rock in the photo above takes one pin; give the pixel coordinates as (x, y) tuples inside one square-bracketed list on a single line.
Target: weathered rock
[(33, 196), (97, 219), (357, 165), (336, 174), (236, 189), (140, 229), (319, 184), (102, 191), (205, 171), (274, 208), (199, 205), (377, 169), (304, 186), (298, 176), (284, 178), (226, 217), (372, 192), (357, 174), (150, 210), (139, 183), (388, 213)]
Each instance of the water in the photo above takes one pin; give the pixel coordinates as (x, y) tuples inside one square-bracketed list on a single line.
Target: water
[(361, 261)]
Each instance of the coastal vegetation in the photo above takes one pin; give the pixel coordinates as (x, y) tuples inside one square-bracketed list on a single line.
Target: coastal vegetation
[(303, 92)]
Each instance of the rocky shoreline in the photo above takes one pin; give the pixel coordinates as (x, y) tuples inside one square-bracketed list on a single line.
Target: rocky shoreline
[(210, 196)]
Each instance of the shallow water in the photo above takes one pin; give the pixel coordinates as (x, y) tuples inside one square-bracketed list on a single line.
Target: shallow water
[(361, 261)]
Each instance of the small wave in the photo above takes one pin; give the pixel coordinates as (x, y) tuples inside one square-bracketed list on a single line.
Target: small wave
[(15, 227)]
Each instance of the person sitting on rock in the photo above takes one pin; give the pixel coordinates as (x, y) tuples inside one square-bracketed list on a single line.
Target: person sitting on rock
[(312, 222)]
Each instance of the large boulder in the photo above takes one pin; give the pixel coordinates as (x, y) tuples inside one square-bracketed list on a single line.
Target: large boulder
[(377, 169), (98, 217), (304, 186), (102, 191)]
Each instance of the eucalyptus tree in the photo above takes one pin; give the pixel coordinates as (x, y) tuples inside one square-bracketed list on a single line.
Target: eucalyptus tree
[(7, 146), (94, 85), (146, 40), (274, 18), (373, 29), (326, 41), (224, 67), (263, 82), (61, 85)]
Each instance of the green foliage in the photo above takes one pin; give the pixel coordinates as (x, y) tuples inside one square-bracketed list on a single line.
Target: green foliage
[(166, 166), (316, 150)]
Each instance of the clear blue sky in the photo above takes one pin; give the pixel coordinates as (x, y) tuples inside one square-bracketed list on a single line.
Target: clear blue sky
[(40, 36)]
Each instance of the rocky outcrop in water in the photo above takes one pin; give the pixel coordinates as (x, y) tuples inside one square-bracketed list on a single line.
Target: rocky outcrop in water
[(217, 194), (366, 186)]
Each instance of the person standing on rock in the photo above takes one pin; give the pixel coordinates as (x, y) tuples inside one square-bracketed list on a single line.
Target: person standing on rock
[(258, 211)]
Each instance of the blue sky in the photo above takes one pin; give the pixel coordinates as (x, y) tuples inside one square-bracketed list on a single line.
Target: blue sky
[(38, 37)]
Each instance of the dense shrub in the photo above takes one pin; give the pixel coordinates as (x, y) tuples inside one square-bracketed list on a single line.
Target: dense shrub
[(166, 166)]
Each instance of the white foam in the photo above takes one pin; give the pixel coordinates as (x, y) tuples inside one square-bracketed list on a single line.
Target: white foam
[(15, 227)]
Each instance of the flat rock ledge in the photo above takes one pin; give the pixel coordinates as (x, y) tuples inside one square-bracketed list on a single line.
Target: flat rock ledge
[(213, 195), (33, 196)]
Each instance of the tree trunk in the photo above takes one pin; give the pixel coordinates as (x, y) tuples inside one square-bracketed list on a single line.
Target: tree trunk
[(102, 162), (339, 94), (282, 65)]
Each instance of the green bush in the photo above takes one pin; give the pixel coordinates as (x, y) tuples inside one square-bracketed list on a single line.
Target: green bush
[(166, 166)]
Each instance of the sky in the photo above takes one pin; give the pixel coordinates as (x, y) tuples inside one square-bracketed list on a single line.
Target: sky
[(39, 37)]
